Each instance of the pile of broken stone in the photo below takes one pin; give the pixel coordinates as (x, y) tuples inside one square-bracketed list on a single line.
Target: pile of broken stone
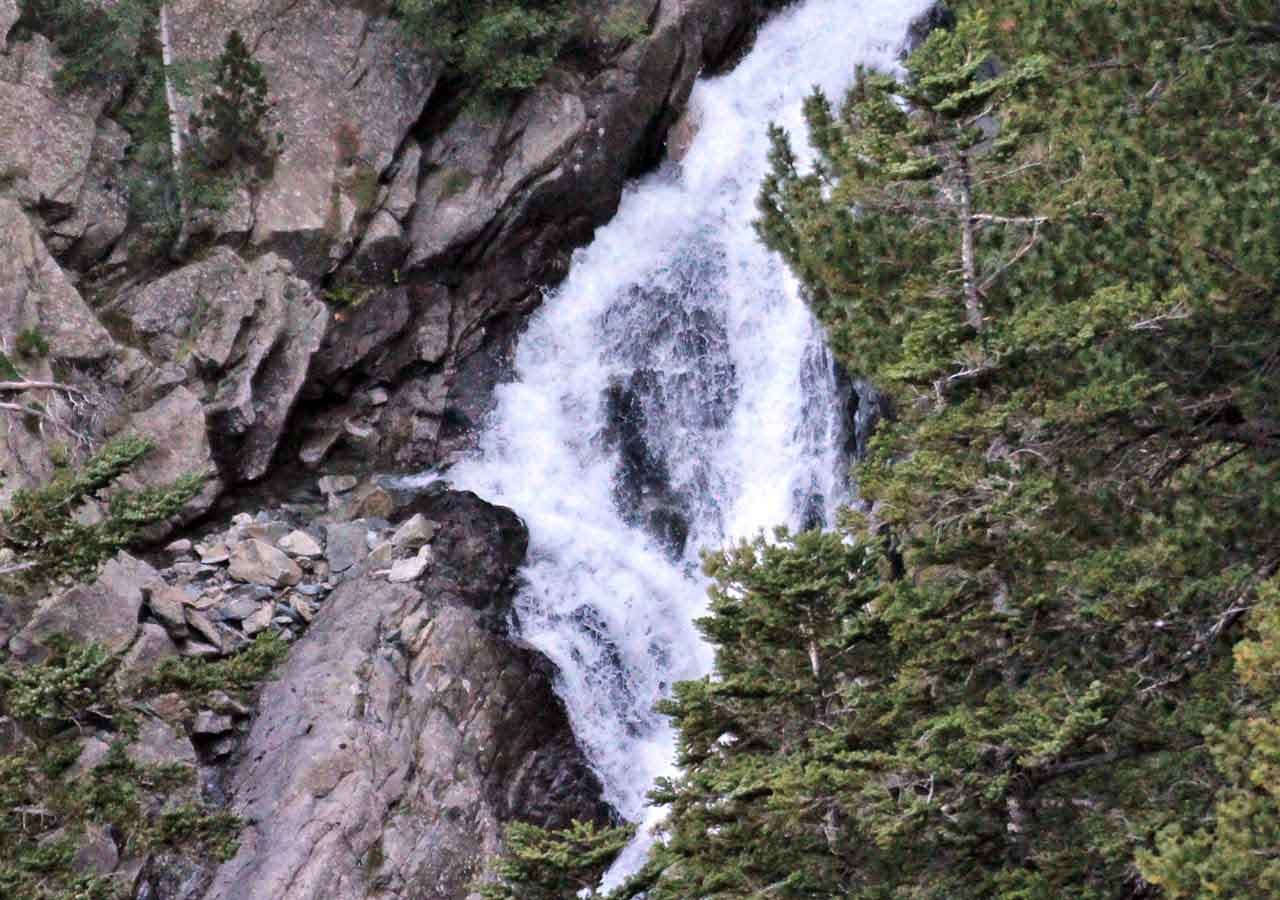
[(271, 571), (268, 572)]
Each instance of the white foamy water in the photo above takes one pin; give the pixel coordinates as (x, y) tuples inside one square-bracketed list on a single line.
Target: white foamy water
[(675, 380)]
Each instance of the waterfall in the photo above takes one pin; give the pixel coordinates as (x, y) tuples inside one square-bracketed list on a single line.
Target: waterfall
[(673, 394)]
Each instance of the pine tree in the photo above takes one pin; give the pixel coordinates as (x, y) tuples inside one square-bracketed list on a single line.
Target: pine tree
[(1089, 514), (895, 178), (549, 865), (231, 124)]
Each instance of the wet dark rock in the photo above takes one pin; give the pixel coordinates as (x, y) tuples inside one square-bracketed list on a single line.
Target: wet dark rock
[(937, 16), (360, 335), (642, 486), (476, 551), (863, 408)]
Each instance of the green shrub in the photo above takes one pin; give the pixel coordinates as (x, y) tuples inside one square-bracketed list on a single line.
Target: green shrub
[(100, 42), (193, 824), (69, 688), (549, 865), (231, 123), (348, 296), (505, 45), (240, 672), (32, 344), (8, 371), (625, 24)]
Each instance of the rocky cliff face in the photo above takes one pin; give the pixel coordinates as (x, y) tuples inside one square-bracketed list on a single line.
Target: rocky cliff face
[(438, 222), (354, 310), (404, 730)]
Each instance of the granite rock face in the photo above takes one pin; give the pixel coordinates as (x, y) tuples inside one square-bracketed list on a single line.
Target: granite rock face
[(405, 729), (104, 387), (105, 612), (240, 334), (360, 303), (347, 89), (435, 223)]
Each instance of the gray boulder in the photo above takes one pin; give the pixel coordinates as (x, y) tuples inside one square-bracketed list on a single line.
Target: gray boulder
[(105, 611), (152, 647), (9, 14), (259, 563), (36, 296)]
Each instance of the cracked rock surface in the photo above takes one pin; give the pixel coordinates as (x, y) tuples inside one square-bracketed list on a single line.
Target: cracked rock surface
[(404, 731)]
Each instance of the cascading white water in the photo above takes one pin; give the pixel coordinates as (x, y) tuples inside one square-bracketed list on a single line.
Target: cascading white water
[(674, 394)]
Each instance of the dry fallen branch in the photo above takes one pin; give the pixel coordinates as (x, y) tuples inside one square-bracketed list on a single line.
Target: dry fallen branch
[(28, 385)]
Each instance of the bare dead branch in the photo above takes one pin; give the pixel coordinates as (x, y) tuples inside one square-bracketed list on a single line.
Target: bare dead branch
[(1027, 221), (28, 385), (1023, 251)]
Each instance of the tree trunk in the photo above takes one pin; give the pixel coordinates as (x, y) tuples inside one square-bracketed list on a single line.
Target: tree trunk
[(170, 95), (972, 299), (175, 129)]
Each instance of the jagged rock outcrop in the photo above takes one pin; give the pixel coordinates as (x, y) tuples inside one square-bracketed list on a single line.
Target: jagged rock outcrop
[(501, 202), (403, 731), (242, 335), (60, 157), (104, 387), (441, 220)]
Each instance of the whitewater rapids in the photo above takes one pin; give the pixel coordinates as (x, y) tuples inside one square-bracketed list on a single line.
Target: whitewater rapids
[(673, 394)]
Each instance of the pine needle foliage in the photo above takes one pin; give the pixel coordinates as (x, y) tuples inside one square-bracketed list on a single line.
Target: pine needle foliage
[(231, 123), (548, 865), (41, 528), (502, 46), (100, 41), (1052, 243)]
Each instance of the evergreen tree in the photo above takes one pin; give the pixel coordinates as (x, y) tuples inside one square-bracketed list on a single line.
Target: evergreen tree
[(548, 865), (40, 526), (231, 124)]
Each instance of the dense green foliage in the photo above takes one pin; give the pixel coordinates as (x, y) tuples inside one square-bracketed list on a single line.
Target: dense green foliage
[(235, 674), (1042, 661), (543, 865), (70, 690), (502, 45), (100, 41), (144, 806), (41, 525)]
